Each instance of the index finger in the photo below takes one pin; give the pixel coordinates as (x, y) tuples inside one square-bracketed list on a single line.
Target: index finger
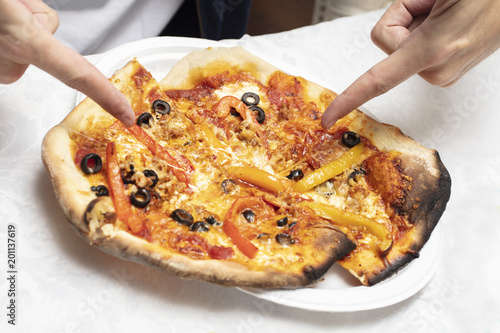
[(75, 71), (390, 72)]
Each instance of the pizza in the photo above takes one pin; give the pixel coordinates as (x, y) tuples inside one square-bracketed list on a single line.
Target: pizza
[(228, 177)]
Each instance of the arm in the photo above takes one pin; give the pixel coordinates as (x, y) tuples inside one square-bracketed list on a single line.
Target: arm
[(438, 39), (26, 37)]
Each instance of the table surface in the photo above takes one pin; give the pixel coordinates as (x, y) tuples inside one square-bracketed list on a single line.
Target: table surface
[(64, 285)]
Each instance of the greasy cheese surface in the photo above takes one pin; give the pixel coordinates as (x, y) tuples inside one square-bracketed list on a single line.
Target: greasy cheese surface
[(213, 140)]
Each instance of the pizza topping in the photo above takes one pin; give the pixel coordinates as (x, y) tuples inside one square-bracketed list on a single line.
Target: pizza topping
[(356, 173), (260, 114), (183, 217), (153, 176), (250, 98), (91, 163), (257, 177), (282, 222), (384, 175), (101, 190), (161, 107), (249, 215), (199, 226), (329, 170), (228, 185), (335, 214), (296, 174), (141, 198), (145, 120), (220, 252), (350, 139), (212, 220), (284, 239), (122, 204)]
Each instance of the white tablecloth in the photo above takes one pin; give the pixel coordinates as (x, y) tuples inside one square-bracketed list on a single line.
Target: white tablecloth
[(64, 285)]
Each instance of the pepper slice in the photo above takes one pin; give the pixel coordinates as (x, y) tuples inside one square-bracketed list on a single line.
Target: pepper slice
[(258, 177), (120, 199), (241, 242), (350, 219), (222, 151), (223, 109), (180, 164), (329, 170)]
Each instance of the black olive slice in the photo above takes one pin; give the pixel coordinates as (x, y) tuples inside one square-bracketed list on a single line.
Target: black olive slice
[(161, 107), (141, 198), (182, 217), (101, 190), (212, 220), (145, 119), (261, 115), (91, 163), (291, 225), (356, 172), (248, 215), (199, 226), (350, 139), (282, 222), (228, 185), (296, 174), (153, 175), (284, 239), (250, 98), (127, 176), (234, 113)]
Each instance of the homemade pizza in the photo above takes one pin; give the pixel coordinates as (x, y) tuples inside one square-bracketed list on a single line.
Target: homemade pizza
[(228, 177)]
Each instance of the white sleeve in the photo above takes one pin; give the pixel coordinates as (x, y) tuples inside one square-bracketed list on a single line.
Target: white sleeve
[(95, 26)]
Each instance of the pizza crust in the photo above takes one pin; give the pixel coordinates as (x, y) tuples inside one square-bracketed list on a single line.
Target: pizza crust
[(425, 201), (189, 71), (124, 245)]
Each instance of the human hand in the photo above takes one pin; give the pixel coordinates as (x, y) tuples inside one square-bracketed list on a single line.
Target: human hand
[(26, 37), (438, 39)]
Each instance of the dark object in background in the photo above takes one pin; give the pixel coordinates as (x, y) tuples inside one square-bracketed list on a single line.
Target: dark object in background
[(210, 19)]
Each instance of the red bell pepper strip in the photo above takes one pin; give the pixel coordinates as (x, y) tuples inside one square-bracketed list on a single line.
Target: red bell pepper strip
[(180, 164), (122, 203), (223, 109), (241, 242)]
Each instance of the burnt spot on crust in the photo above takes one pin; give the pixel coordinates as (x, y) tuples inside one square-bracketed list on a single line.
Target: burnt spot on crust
[(426, 202), (428, 196), (338, 243)]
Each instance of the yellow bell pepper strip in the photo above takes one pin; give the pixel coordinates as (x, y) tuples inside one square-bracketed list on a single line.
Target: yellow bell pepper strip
[(214, 142), (212, 139), (122, 203), (335, 214), (329, 170), (257, 177)]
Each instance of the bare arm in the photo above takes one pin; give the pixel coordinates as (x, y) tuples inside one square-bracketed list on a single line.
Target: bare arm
[(26, 37), (438, 39)]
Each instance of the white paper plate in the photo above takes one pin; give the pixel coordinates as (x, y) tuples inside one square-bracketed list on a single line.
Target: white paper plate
[(339, 291)]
